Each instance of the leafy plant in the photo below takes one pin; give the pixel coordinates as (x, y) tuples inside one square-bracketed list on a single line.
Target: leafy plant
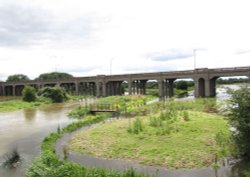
[(56, 94), (29, 94), (240, 119)]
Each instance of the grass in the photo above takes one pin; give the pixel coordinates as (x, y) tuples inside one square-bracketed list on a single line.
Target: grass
[(13, 105), (188, 140), (48, 164)]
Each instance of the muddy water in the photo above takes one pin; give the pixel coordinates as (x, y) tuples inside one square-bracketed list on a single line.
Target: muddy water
[(25, 130)]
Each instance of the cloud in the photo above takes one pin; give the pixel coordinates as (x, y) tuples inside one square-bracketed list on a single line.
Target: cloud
[(171, 54), (22, 26), (241, 52)]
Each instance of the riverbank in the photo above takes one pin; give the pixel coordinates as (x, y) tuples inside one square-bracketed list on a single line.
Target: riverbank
[(13, 105), (49, 148), (183, 144)]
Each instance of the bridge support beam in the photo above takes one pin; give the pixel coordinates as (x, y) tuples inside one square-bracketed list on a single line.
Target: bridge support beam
[(205, 87), (77, 88), (130, 87), (161, 89), (104, 93), (13, 90), (170, 87), (98, 89)]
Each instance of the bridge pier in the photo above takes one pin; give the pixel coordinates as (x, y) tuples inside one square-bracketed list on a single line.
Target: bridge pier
[(205, 87), (77, 88), (170, 87), (1, 89)]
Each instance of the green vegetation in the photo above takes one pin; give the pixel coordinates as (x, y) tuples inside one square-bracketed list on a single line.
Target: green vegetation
[(18, 104), (46, 95), (17, 77), (170, 134), (54, 75), (232, 80), (181, 85), (240, 119), (128, 105), (56, 94), (48, 164), (29, 94)]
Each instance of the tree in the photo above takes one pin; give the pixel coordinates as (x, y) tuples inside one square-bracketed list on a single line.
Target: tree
[(240, 119), (17, 77), (29, 94), (54, 75), (181, 85), (56, 94)]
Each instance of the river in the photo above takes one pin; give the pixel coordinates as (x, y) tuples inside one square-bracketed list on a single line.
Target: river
[(25, 130)]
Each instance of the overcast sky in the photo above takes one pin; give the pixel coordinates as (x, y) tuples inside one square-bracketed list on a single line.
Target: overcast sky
[(86, 37)]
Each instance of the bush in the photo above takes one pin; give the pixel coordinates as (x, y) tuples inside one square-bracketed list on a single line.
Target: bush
[(181, 85), (29, 94), (136, 127), (240, 119), (79, 112), (56, 94)]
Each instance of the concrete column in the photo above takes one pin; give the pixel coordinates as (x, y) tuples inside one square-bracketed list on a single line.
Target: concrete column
[(212, 89), (200, 87), (161, 89), (196, 88), (13, 90), (108, 89), (170, 87), (3, 91), (143, 87), (77, 88), (130, 87), (137, 87), (97, 89), (103, 89), (134, 86)]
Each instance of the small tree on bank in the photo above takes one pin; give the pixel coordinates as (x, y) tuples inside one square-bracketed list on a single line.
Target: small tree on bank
[(56, 94), (29, 94), (240, 119)]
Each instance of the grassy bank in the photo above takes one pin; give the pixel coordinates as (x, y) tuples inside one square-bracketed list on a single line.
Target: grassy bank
[(16, 104), (173, 134), (48, 164), (13, 105)]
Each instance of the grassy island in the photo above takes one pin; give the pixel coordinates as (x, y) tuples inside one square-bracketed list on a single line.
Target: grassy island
[(172, 134)]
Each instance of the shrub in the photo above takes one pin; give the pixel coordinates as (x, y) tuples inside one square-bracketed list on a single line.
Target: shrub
[(29, 94), (182, 85), (240, 119), (79, 112), (56, 94), (136, 127)]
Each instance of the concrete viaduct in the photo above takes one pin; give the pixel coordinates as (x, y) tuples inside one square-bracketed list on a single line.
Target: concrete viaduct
[(107, 85)]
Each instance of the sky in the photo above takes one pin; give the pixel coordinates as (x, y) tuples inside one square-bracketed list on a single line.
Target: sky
[(96, 37)]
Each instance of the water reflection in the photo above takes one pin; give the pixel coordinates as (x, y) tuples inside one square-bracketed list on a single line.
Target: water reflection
[(29, 114), (25, 129)]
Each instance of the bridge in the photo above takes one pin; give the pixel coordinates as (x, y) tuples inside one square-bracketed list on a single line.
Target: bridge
[(107, 85)]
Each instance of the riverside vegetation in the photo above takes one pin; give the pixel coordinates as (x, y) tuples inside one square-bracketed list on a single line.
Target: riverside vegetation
[(173, 134), (32, 98), (185, 134)]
